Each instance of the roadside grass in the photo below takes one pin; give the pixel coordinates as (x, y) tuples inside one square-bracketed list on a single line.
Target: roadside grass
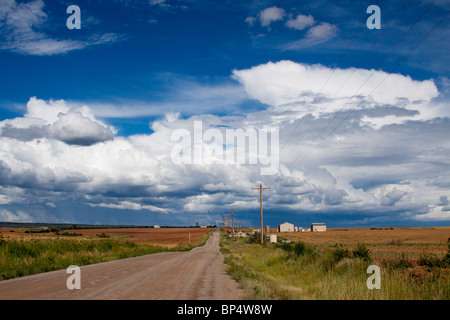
[(297, 271), (20, 257)]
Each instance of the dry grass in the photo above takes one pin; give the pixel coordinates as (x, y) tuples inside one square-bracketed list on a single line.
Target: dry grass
[(413, 265), (425, 235), (30, 253), (166, 237), (383, 243)]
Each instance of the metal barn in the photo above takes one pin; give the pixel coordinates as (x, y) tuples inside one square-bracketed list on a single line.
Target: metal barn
[(318, 227)]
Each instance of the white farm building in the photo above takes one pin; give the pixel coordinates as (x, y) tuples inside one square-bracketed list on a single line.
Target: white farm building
[(286, 227), (318, 227)]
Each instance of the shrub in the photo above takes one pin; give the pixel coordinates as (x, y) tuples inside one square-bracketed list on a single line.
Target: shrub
[(286, 247), (254, 238), (402, 264), (447, 256), (68, 234), (338, 253), (330, 258), (296, 250), (432, 262), (299, 248), (362, 252), (102, 235)]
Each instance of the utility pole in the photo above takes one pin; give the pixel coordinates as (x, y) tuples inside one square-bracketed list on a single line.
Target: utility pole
[(232, 223), (228, 223), (260, 205)]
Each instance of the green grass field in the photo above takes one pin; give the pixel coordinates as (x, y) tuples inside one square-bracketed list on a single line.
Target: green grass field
[(307, 271), (19, 257)]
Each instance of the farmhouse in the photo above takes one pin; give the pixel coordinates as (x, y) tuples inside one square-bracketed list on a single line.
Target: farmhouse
[(318, 227), (240, 234), (286, 227)]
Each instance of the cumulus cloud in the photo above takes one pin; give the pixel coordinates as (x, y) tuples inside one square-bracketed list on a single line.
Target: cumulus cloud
[(288, 85), (269, 15), (74, 128), (373, 171), (321, 32), (392, 197), (301, 22), (56, 120), (315, 34)]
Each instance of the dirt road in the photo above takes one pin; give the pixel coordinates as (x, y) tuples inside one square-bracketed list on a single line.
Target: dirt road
[(194, 275)]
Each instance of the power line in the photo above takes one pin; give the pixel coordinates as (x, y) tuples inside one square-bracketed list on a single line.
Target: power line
[(326, 82), (353, 70), (384, 60), (398, 64)]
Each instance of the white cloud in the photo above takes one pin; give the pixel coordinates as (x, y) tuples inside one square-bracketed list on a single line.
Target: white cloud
[(392, 197), (47, 111), (157, 2), (376, 171), (5, 199), (269, 15), (74, 128), (315, 35), (56, 120), (323, 31), (185, 95), (288, 85), (21, 23), (128, 205), (435, 213), (19, 216), (301, 22), (250, 21)]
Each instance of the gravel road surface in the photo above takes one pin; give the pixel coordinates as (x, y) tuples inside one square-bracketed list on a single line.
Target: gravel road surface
[(198, 274)]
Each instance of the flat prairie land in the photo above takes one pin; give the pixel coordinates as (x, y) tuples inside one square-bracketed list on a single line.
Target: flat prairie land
[(166, 237), (413, 263), (405, 235), (25, 251), (381, 241)]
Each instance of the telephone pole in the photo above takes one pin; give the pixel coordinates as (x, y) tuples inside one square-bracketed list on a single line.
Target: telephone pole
[(261, 208), (228, 223), (232, 223)]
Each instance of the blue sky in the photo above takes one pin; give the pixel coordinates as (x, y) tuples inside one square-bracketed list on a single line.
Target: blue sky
[(87, 115)]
